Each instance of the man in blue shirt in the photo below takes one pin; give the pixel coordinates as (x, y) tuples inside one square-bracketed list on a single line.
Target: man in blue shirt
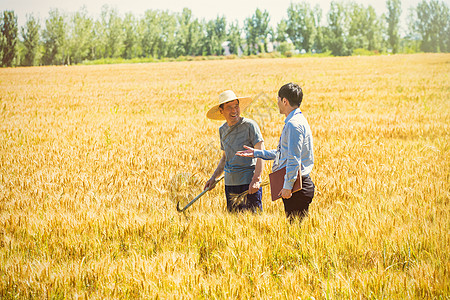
[(241, 173), (295, 151)]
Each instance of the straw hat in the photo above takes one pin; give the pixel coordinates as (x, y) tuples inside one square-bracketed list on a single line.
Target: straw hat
[(227, 96)]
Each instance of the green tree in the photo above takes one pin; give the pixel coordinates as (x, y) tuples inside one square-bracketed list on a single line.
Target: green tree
[(336, 33), (257, 29), (281, 31), (80, 36), (183, 37), (150, 33), (393, 20), (30, 35), (210, 40), (196, 36), (373, 30), (234, 36), (130, 36), (54, 38), (318, 37), (364, 27), (261, 21), (111, 25), (167, 24), (189, 34), (8, 38), (215, 36), (301, 25), (432, 24), (358, 26), (250, 36)]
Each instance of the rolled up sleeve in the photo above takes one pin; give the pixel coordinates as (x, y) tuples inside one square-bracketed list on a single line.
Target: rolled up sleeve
[(265, 154)]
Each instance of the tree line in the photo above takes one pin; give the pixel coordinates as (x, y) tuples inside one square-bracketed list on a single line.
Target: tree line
[(349, 28)]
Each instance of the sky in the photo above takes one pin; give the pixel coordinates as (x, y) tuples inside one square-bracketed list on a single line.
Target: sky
[(202, 9)]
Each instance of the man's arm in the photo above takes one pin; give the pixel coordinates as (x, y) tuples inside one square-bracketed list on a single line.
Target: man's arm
[(219, 170), (256, 180), (293, 161), (258, 153)]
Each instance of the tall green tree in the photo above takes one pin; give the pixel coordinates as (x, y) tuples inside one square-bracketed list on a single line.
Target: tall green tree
[(281, 31), (394, 8), (150, 33), (301, 25), (167, 24), (189, 34), (196, 36), (80, 36), (358, 25), (234, 36), (183, 37), (130, 36), (215, 36), (8, 38), (261, 21), (373, 30), (318, 38), (30, 36), (250, 36), (364, 27), (54, 39), (112, 33), (432, 24), (256, 30), (337, 32)]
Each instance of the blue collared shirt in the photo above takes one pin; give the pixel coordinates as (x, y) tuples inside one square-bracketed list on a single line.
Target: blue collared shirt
[(295, 149)]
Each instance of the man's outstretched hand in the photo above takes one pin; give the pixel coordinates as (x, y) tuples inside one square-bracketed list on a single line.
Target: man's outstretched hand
[(250, 152)]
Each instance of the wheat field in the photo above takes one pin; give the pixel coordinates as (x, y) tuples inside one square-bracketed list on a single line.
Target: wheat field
[(94, 159)]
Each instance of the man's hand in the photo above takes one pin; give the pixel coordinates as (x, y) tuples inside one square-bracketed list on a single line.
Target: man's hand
[(246, 153), (285, 194), (254, 186), (211, 183)]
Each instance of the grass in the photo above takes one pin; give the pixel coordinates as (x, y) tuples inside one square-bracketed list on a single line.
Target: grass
[(93, 160)]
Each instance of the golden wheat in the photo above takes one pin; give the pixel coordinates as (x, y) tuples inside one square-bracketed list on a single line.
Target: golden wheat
[(93, 160)]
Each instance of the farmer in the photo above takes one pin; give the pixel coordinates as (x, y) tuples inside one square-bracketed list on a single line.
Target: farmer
[(295, 150), (241, 173)]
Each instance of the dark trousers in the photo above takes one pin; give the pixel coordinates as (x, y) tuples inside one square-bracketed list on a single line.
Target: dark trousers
[(298, 204), (250, 202)]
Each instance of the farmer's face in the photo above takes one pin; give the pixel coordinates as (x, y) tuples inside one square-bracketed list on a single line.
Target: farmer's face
[(231, 112)]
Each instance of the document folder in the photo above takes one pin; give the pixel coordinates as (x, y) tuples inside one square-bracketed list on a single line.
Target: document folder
[(277, 181)]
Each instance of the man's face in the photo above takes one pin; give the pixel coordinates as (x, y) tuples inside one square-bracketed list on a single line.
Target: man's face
[(231, 112)]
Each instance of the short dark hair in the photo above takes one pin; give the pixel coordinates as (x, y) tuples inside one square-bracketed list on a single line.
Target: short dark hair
[(221, 105), (292, 92)]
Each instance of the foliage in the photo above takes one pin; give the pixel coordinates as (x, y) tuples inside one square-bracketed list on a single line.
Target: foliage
[(257, 30), (8, 38), (72, 38), (80, 36), (432, 24), (393, 20), (301, 27), (30, 35), (336, 34), (362, 51), (54, 39)]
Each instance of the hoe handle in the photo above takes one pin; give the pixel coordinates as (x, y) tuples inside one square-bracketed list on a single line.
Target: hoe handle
[(198, 196)]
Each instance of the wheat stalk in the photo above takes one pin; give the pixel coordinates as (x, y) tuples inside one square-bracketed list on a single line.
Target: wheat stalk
[(238, 199)]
